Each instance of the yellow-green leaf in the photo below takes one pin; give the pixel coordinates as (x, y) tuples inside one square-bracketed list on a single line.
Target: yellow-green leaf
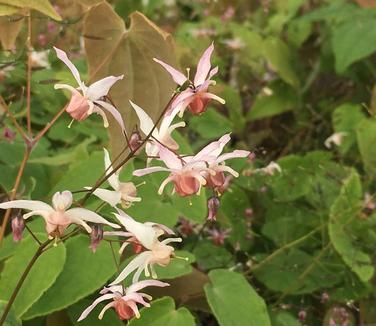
[(43, 6)]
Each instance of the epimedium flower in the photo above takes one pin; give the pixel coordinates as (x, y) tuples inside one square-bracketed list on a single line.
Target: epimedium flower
[(161, 135), (123, 193), (86, 100), (335, 139), (196, 96), (124, 300), (156, 252), (58, 216)]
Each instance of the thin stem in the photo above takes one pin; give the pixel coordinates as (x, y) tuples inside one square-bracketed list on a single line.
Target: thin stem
[(14, 192), (33, 235), (22, 280), (13, 119), (29, 63), (114, 256)]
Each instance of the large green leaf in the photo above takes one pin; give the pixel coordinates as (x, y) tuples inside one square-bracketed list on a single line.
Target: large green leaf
[(233, 300), (366, 135), (42, 275), (343, 217), (12, 319), (113, 50), (162, 313), (83, 273), (43, 6), (353, 40)]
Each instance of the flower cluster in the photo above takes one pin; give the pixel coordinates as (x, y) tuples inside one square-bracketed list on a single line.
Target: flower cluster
[(188, 173)]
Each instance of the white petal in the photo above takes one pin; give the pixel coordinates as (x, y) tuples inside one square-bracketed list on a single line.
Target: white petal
[(146, 123), (203, 66), (62, 200), (114, 112), (114, 178), (141, 172), (235, 154), (63, 57), (94, 304), (171, 160), (137, 262), (32, 205), (86, 215), (101, 87), (105, 308), (143, 284), (109, 196)]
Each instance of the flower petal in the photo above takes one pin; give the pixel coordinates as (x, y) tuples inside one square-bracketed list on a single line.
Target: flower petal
[(146, 123), (176, 75), (63, 57), (143, 284), (105, 308), (32, 205), (113, 180), (213, 149), (109, 196), (114, 112), (86, 215), (136, 263), (62, 200), (171, 160), (203, 66), (101, 87), (235, 154), (141, 172), (94, 304)]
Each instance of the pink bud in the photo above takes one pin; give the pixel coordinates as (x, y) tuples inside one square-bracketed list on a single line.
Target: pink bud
[(251, 157), (213, 206), (248, 212), (302, 315), (42, 39), (18, 225), (9, 134), (96, 236), (51, 27), (134, 140)]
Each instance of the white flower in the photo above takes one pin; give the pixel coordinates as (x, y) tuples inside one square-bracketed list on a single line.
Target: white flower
[(89, 100), (124, 192), (270, 169), (58, 217), (335, 139), (161, 135), (158, 252)]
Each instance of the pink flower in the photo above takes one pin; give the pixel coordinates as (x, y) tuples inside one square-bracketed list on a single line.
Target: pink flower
[(156, 253), (9, 134), (159, 136), (218, 236), (213, 206), (123, 193), (124, 301), (86, 100), (58, 217), (18, 225), (96, 236), (196, 96)]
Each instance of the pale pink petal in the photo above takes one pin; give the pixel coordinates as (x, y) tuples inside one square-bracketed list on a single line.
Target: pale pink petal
[(136, 297), (114, 112), (133, 306), (171, 160), (213, 72), (181, 102), (113, 180), (213, 97), (227, 169), (101, 87), (203, 66), (113, 289), (62, 200), (143, 284), (146, 123), (163, 227), (176, 75), (141, 172), (86, 215), (32, 205), (235, 154), (105, 308), (63, 57), (169, 240), (164, 184), (136, 263), (109, 196), (94, 304), (214, 148), (117, 233)]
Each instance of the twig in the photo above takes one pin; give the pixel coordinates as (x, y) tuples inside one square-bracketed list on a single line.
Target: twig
[(29, 63)]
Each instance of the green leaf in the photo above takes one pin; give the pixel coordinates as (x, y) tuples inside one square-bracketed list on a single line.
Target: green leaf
[(281, 59), (343, 216), (42, 275), (84, 272), (210, 256), (353, 40), (234, 301), (113, 50), (12, 319), (6, 10), (280, 98), (162, 313), (43, 6), (366, 136), (284, 318)]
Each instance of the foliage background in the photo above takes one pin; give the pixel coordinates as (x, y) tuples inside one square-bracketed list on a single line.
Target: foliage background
[(293, 73)]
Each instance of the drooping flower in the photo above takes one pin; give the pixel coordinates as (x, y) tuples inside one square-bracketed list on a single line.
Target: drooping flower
[(156, 252), (86, 100), (18, 226), (196, 97), (124, 193), (213, 206), (96, 236), (158, 136), (58, 216), (335, 139), (124, 301)]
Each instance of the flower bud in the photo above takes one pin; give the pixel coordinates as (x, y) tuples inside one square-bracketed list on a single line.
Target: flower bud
[(134, 140), (251, 157), (96, 236), (213, 205), (42, 39), (324, 297), (302, 315), (248, 212), (18, 225), (9, 135)]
